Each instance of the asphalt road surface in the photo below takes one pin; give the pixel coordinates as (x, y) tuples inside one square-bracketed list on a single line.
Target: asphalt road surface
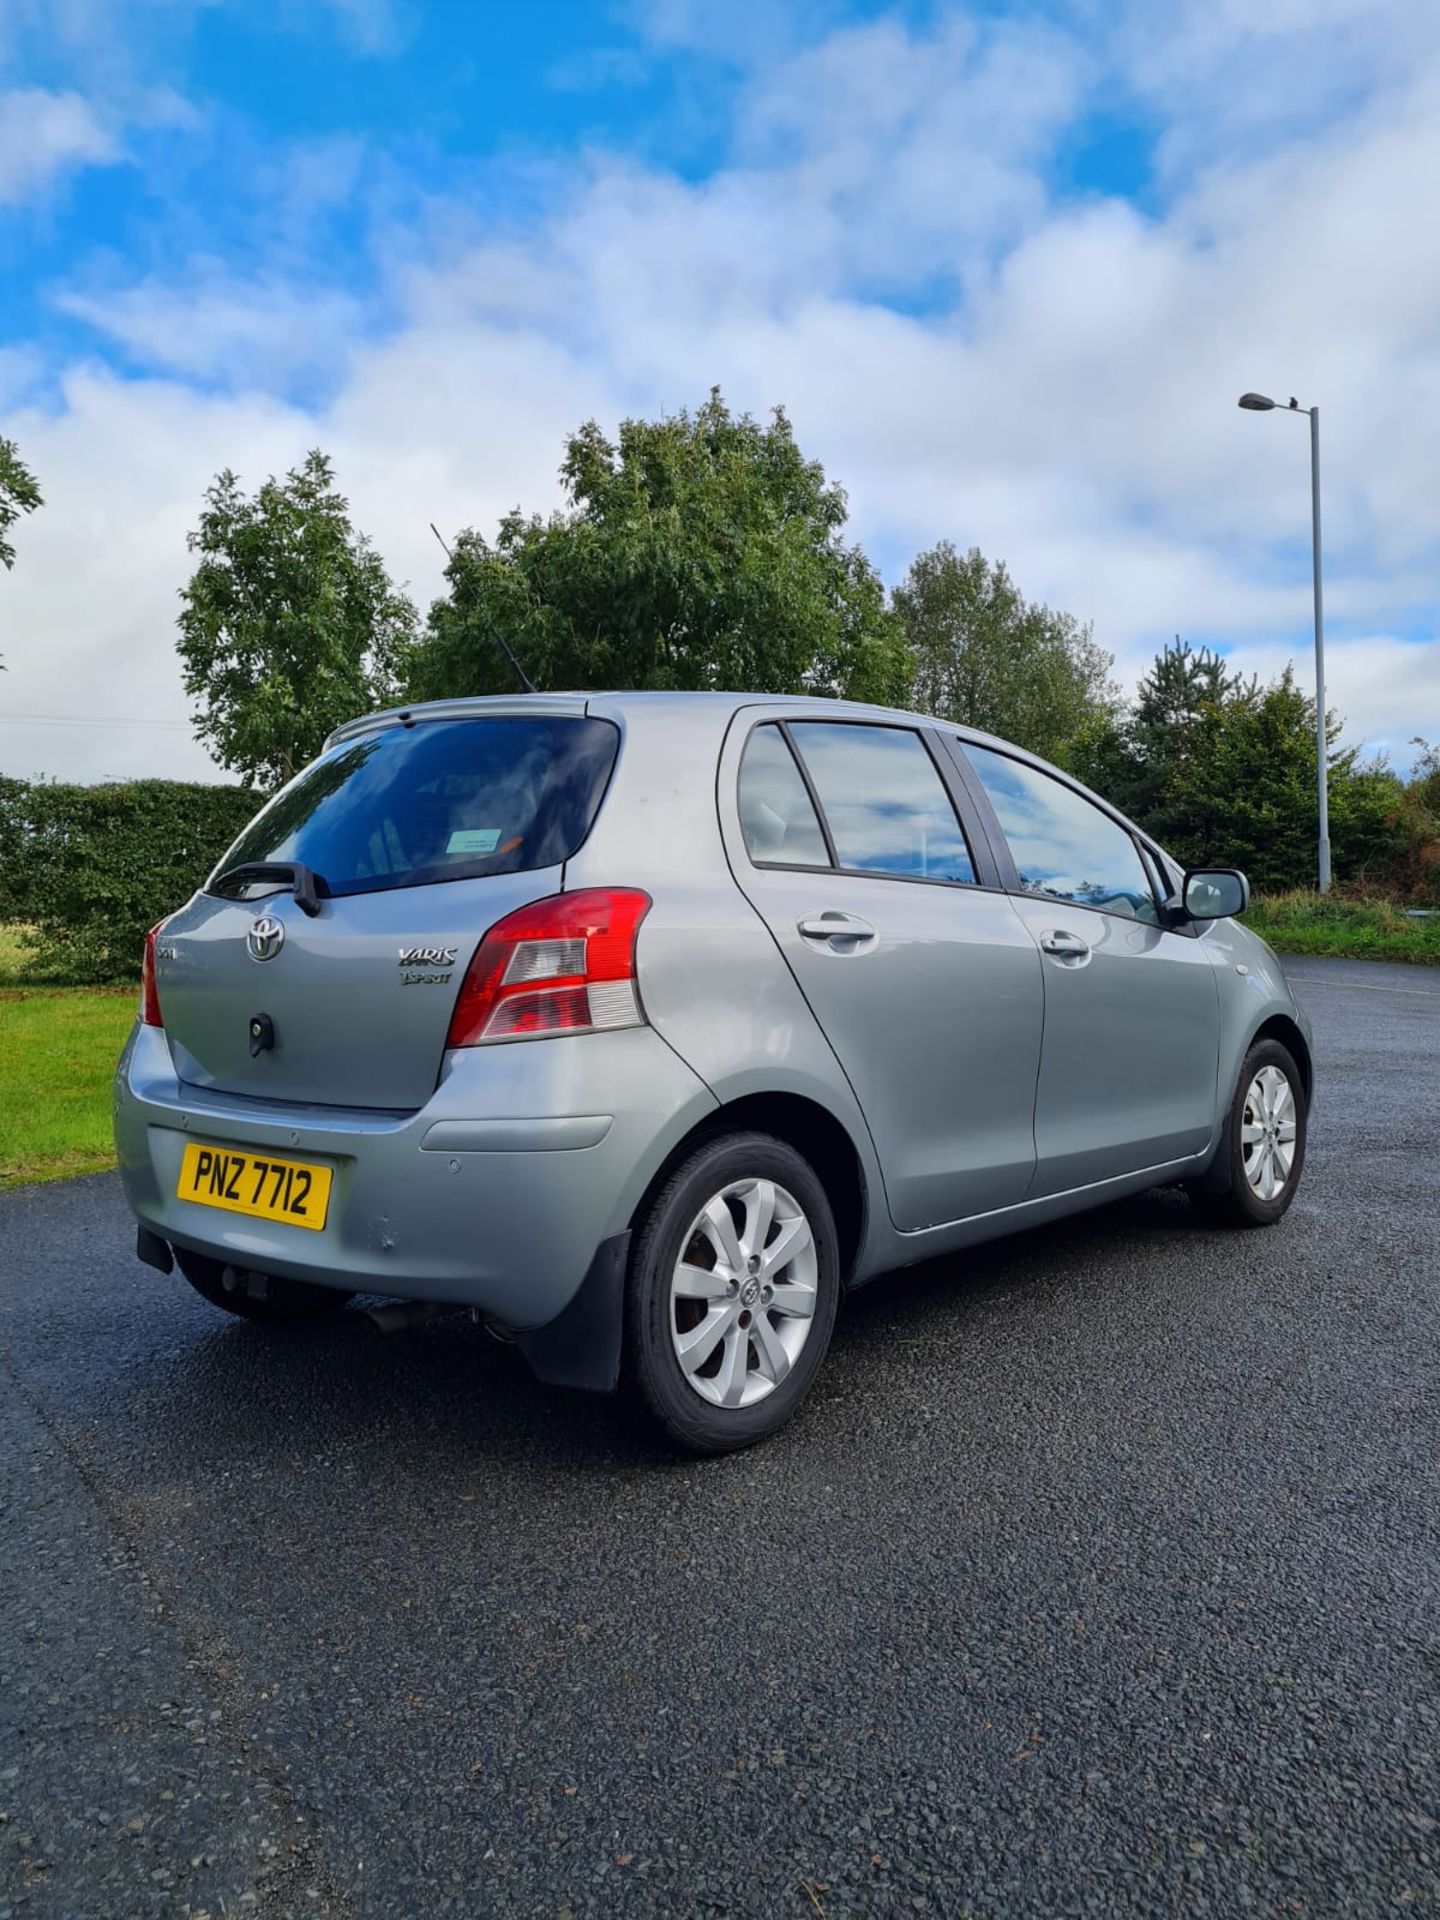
[(1101, 1575)]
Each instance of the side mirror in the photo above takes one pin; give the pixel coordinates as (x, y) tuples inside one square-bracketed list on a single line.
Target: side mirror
[(1215, 893)]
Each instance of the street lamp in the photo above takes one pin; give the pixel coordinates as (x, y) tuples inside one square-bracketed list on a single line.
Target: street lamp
[(1259, 403)]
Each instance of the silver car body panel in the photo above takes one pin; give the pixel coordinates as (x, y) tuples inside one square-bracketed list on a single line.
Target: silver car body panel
[(1021, 1090), (936, 1023), (1131, 1047), (356, 1025), (507, 1225)]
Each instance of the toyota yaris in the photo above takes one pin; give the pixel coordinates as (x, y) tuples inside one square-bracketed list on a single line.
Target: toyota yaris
[(646, 1025)]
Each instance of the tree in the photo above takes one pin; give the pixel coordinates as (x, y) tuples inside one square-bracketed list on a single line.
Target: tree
[(1224, 770), (1221, 769), (19, 493), (1425, 775), (697, 551), (1174, 715), (987, 657), (289, 624), (1419, 876), (1176, 698)]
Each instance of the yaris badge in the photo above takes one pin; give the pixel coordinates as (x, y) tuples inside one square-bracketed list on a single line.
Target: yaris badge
[(265, 938)]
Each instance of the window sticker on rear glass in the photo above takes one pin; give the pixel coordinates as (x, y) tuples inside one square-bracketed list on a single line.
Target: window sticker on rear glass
[(474, 840)]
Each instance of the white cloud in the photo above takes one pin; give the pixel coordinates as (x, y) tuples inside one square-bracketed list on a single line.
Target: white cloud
[(257, 334), (87, 616), (1073, 411), (1238, 75), (44, 135), (746, 35), (374, 26), (918, 147)]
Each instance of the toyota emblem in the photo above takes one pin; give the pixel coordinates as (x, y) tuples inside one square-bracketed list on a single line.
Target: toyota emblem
[(265, 938)]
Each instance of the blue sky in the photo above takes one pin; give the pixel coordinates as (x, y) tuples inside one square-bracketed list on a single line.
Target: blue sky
[(1007, 268)]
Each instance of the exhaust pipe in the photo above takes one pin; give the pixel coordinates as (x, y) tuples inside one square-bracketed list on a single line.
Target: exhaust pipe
[(401, 1314)]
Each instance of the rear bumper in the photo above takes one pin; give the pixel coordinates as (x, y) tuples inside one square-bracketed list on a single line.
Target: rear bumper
[(497, 1194)]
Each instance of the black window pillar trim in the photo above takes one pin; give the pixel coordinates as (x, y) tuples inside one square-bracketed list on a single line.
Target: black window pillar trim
[(1168, 905), (799, 759), (973, 795), (974, 824)]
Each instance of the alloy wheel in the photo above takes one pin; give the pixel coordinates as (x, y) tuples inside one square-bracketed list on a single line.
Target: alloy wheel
[(1267, 1132), (743, 1293)]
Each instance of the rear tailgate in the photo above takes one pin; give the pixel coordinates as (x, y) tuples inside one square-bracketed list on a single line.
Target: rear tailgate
[(421, 835), (358, 999)]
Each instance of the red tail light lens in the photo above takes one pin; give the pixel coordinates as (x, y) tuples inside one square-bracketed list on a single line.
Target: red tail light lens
[(149, 992), (562, 965)]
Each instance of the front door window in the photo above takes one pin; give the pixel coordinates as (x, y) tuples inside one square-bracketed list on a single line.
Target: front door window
[(1063, 846)]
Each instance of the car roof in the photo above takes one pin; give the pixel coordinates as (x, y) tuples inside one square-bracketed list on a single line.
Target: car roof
[(622, 700)]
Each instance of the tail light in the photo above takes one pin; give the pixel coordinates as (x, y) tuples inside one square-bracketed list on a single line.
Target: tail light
[(149, 992), (562, 965)]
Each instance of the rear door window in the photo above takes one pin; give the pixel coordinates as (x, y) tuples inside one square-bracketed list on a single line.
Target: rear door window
[(884, 801), (438, 800)]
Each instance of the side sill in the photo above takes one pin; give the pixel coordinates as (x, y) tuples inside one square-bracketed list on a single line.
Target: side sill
[(1018, 1208)]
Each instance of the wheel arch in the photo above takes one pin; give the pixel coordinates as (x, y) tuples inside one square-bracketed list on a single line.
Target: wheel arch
[(813, 1131), (1281, 1027)]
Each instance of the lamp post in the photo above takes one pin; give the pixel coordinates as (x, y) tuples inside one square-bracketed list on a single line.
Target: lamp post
[(1259, 403)]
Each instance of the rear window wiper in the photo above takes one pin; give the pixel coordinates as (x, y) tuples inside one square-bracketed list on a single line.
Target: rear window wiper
[(303, 883)]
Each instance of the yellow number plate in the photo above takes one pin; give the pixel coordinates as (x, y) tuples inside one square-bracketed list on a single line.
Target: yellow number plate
[(257, 1184)]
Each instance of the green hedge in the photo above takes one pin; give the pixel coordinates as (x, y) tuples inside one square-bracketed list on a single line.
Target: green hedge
[(87, 871), (13, 795)]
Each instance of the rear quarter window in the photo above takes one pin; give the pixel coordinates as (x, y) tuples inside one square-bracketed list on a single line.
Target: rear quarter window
[(438, 800), (776, 816)]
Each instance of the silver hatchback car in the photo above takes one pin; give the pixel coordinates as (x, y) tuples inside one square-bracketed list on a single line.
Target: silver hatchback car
[(647, 1024)]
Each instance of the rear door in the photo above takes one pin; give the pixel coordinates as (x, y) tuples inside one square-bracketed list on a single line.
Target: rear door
[(1132, 1015), (923, 979), (421, 836)]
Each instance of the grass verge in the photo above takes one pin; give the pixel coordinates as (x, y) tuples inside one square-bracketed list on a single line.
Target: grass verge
[(58, 1048), (1341, 928)]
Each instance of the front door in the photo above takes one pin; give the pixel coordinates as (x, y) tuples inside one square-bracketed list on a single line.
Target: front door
[(926, 983), (1132, 1017)]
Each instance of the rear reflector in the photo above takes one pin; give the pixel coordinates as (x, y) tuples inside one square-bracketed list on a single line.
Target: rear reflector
[(561, 965), (149, 993)]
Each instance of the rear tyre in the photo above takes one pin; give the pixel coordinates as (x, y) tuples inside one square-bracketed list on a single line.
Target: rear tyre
[(1260, 1159), (731, 1295), (261, 1297)]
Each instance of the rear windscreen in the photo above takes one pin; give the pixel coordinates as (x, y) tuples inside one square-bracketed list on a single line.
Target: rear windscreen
[(438, 800)]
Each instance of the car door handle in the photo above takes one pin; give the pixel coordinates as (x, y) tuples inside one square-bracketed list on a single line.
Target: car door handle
[(837, 932), (1068, 948)]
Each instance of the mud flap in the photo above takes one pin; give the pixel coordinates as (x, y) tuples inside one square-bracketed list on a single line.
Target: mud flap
[(581, 1346), (154, 1251)]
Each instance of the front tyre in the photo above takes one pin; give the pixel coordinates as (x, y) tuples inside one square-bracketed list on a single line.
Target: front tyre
[(1258, 1166), (262, 1297), (733, 1285)]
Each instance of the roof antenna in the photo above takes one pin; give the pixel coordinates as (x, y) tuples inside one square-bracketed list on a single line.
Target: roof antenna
[(527, 685)]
